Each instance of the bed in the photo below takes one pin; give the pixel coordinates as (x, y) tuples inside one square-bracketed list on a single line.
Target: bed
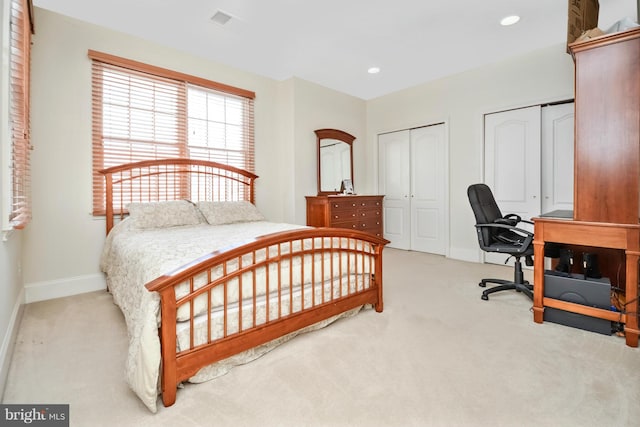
[(206, 283)]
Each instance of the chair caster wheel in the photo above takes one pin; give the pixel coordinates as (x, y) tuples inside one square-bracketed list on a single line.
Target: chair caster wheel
[(485, 297)]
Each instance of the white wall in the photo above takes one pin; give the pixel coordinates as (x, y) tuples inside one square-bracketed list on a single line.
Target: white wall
[(461, 100), (11, 299), (63, 243), (317, 108)]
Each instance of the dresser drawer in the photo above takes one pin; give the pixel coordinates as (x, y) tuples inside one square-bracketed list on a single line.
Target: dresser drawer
[(358, 224), (369, 224), (369, 203), (343, 205), (358, 214), (367, 213), (353, 225), (353, 203), (343, 215)]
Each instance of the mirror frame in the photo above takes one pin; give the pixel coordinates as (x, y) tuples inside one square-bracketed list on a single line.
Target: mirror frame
[(340, 136)]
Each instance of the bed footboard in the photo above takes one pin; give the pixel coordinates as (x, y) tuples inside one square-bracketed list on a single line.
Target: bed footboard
[(248, 295)]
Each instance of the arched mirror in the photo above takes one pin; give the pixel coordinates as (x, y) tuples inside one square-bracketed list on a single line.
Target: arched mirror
[(335, 160)]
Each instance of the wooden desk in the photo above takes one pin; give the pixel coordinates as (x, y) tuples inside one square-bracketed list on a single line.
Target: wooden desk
[(596, 234)]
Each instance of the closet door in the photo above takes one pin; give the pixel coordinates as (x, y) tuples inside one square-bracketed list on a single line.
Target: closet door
[(512, 160), (557, 157), (412, 176), (394, 181), (512, 164), (428, 222)]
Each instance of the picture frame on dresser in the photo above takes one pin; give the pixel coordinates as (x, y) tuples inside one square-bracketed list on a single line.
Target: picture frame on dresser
[(347, 186)]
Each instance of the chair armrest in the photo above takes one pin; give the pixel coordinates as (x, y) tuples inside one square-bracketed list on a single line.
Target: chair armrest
[(507, 227), (519, 245), (512, 219)]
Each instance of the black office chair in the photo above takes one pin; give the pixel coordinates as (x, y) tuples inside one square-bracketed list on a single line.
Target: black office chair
[(497, 233)]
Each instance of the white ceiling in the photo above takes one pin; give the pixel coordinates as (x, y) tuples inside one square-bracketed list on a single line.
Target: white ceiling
[(334, 42)]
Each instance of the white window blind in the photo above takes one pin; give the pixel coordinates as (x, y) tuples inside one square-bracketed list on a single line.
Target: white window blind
[(142, 112), (19, 81)]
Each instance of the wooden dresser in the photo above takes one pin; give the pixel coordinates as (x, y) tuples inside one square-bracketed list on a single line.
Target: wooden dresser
[(355, 212)]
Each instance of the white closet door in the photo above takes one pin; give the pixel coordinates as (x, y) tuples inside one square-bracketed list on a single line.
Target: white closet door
[(395, 183), (557, 157), (512, 164), (412, 176), (428, 222)]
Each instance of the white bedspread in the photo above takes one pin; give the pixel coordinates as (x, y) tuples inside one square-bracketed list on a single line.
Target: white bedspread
[(132, 257)]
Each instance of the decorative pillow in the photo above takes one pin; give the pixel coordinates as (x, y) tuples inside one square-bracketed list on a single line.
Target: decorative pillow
[(164, 214), (219, 213)]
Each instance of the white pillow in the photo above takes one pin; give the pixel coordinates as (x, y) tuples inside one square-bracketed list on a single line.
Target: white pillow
[(164, 214), (219, 213)]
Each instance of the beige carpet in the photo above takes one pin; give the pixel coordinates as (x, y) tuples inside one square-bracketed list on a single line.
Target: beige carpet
[(437, 356)]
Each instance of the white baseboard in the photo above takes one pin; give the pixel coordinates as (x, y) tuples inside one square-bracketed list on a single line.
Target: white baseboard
[(9, 340), (471, 255), (41, 291)]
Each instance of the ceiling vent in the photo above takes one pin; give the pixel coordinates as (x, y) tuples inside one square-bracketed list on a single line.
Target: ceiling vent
[(220, 18)]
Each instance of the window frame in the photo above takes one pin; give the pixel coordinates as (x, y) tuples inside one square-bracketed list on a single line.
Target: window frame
[(102, 61)]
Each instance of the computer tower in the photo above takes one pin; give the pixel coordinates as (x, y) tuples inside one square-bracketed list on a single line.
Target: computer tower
[(576, 289)]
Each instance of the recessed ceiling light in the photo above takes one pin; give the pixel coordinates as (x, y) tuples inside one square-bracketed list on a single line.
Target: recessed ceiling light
[(373, 70), (509, 20), (220, 18)]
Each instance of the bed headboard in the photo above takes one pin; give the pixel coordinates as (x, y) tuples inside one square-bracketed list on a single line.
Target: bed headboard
[(173, 179)]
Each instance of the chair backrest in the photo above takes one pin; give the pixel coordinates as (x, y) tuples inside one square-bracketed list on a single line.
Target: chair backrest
[(485, 209)]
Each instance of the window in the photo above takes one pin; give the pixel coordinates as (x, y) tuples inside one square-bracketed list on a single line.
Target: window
[(142, 112), (19, 82)]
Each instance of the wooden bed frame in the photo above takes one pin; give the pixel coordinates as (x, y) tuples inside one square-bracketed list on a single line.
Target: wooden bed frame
[(196, 180)]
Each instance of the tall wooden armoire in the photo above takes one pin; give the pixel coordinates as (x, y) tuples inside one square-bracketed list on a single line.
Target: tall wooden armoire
[(607, 128), (606, 180)]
